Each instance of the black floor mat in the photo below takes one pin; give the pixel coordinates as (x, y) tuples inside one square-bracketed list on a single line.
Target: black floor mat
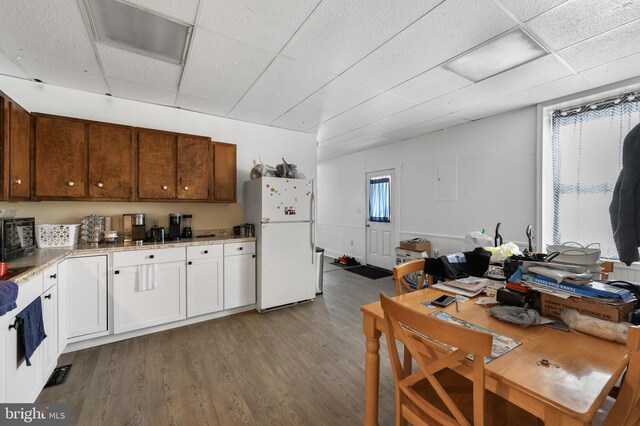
[(368, 271)]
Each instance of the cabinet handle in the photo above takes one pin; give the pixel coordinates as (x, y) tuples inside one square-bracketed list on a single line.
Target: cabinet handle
[(17, 323), (151, 256), (48, 296), (53, 277), (239, 248), (186, 188), (71, 183), (206, 252), (18, 181), (100, 184), (116, 272), (189, 263), (254, 256), (165, 187)]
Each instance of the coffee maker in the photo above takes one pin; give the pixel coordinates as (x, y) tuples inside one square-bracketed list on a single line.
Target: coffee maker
[(174, 226), (133, 228)]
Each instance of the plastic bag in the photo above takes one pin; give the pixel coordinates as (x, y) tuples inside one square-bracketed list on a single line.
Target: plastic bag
[(262, 170), (476, 239), (500, 253), (515, 314)]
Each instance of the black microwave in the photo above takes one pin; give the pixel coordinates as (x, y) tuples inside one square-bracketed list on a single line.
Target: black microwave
[(17, 238)]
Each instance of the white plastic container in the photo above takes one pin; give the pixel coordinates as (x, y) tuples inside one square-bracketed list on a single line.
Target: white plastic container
[(57, 235), (575, 254)]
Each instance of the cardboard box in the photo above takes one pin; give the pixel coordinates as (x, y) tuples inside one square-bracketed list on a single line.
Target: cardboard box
[(552, 307), (417, 244)]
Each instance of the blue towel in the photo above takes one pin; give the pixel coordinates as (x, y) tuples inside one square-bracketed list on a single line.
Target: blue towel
[(8, 296), (32, 328)]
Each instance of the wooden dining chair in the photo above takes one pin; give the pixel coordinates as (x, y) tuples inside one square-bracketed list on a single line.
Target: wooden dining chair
[(402, 270), (436, 394)]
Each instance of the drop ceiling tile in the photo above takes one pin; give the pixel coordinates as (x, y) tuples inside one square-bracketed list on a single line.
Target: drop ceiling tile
[(366, 142), (432, 40), (181, 10), (48, 31), (265, 24), (221, 68), (527, 9), (347, 137), (336, 97), (578, 20), (65, 77), (138, 68), (426, 127), (324, 132), (406, 118), (207, 106), (607, 47), (339, 33), (292, 123), (251, 115), (430, 85), (372, 110), (137, 92), (8, 67), (284, 84), (613, 71)]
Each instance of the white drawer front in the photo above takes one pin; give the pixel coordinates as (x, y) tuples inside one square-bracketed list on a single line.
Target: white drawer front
[(50, 277), (233, 249), (142, 257), (204, 252), (28, 292)]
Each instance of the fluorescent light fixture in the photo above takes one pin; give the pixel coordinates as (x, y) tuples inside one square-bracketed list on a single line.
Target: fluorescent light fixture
[(127, 27), (498, 55)]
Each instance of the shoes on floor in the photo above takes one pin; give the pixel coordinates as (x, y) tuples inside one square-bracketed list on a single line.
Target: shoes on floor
[(352, 262)]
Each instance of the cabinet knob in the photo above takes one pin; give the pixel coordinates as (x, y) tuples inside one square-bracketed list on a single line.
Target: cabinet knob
[(254, 256), (186, 188), (165, 187), (206, 252), (151, 256), (53, 276), (239, 248), (189, 263), (100, 184), (71, 183), (48, 296), (17, 323), (116, 272), (18, 181)]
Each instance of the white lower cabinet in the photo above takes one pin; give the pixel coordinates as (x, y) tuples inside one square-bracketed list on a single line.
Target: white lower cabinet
[(239, 275), (85, 289), (149, 293), (204, 280), (50, 318)]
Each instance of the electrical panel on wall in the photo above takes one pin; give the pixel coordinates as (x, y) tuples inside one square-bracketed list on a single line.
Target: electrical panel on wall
[(446, 178)]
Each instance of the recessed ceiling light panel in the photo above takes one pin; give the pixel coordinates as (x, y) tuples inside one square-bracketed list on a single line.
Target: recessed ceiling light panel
[(121, 25), (496, 56)]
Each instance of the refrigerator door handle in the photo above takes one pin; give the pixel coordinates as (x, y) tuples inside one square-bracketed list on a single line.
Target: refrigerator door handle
[(313, 223)]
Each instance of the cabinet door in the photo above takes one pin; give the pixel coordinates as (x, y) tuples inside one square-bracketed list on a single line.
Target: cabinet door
[(86, 289), (135, 308), (50, 319), (19, 152), (224, 172), (23, 382), (239, 280), (156, 165), (110, 161), (204, 286), (60, 158), (194, 168)]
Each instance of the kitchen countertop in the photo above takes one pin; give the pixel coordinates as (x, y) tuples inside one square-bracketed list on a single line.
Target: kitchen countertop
[(42, 259)]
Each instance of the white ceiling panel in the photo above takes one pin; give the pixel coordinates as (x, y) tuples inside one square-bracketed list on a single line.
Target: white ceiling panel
[(137, 92), (8, 67), (345, 138), (372, 110), (431, 41), (325, 132), (221, 68), (339, 33), (292, 123), (578, 20), (251, 115), (336, 97), (406, 118), (607, 47), (265, 24), (181, 10), (47, 31), (138, 68), (284, 84), (430, 85), (613, 71), (65, 77), (208, 106), (426, 127), (527, 9)]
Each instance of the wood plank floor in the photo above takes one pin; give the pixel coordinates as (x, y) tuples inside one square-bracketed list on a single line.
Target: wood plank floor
[(297, 366)]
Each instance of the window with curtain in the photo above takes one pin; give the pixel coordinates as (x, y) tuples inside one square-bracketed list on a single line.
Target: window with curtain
[(586, 148), (379, 199)]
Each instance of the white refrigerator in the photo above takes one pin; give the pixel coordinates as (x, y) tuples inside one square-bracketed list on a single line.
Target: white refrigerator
[(282, 211)]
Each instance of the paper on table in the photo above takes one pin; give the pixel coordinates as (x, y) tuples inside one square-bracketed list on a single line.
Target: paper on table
[(455, 290)]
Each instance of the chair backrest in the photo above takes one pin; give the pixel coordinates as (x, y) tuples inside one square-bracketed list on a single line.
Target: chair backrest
[(412, 327), (607, 268), (626, 410), (402, 270)]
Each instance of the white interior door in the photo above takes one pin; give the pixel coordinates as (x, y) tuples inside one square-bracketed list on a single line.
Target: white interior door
[(381, 216)]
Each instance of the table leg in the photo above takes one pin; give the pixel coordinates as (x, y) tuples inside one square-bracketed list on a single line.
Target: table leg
[(371, 371)]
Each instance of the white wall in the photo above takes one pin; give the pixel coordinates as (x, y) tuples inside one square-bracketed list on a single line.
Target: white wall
[(496, 179)]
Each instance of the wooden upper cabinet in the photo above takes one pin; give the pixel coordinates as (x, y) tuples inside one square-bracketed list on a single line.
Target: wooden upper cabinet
[(224, 173), (156, 165), (110, 161), (194, 168), (60, 158), (19, 180)]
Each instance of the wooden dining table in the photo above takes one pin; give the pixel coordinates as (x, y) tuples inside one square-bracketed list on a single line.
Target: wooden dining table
[(570, 394)]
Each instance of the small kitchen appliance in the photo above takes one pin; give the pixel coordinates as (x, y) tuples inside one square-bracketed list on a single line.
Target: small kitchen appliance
[(133, 228), (186, 230), (17, 238), (156, 234), (174, 226)]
